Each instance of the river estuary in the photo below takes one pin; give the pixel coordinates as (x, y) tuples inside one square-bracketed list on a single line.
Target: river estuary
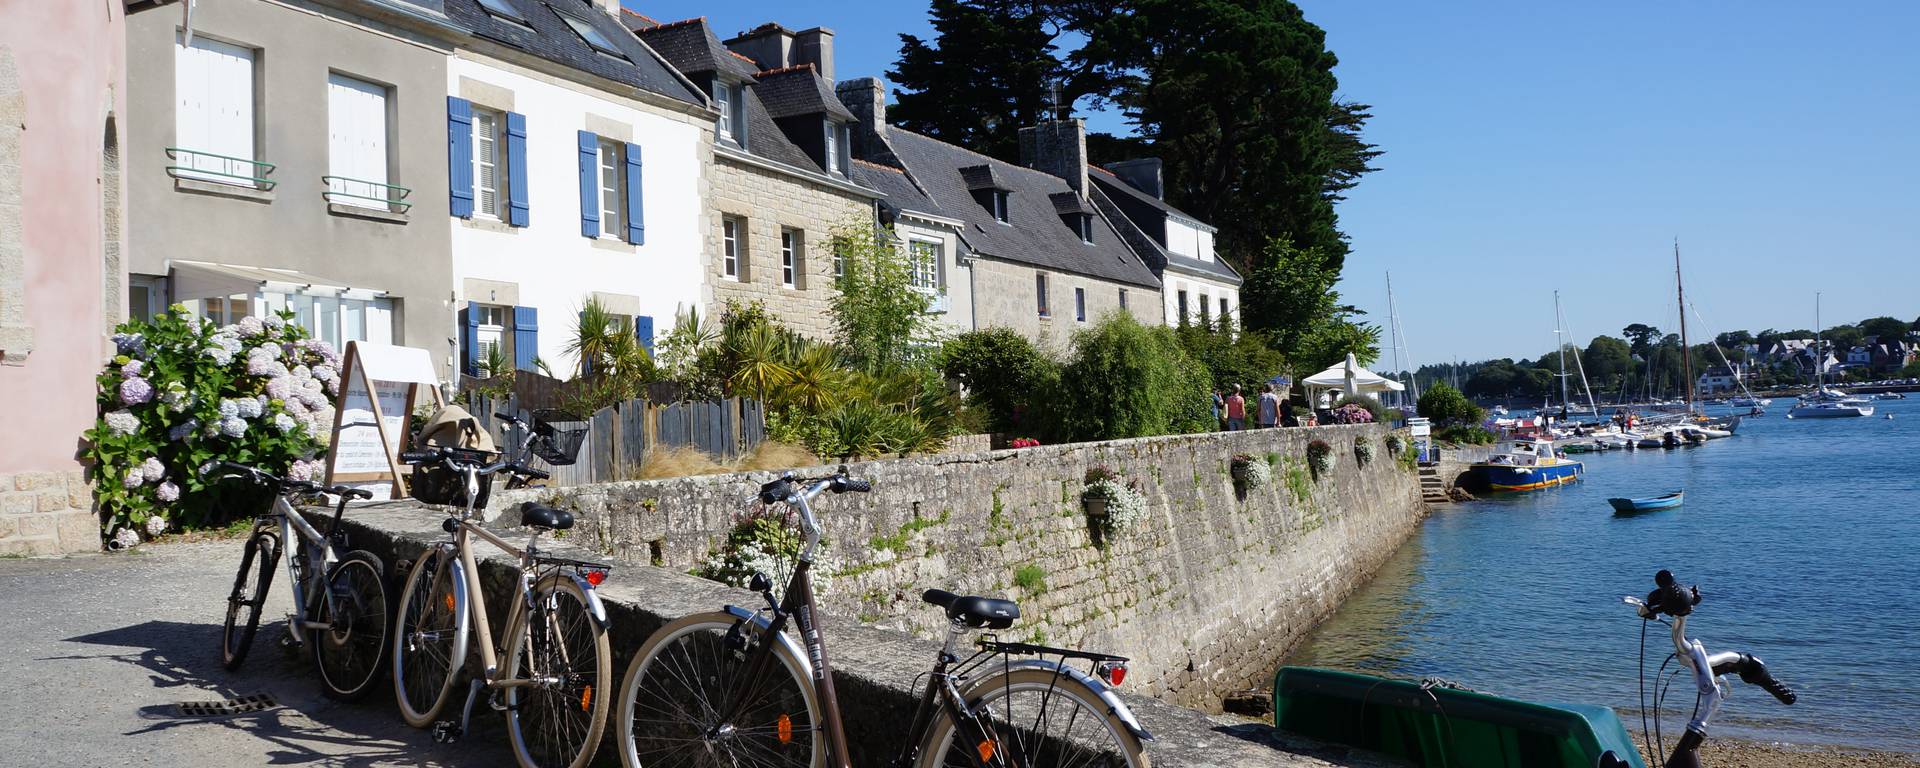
[(1804, 537)]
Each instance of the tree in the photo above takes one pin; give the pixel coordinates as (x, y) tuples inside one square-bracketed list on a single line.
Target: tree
[(1885, 329), (1732, 339), (1641, 337), (879, 320), (985, 74), (1446, 405), (1004, 373), (1607, 359), (1844, 337), (1126, 380), (1234, 357)]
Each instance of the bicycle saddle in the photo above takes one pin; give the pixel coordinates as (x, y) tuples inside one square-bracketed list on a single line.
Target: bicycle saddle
[(536, 515), (974, 612)]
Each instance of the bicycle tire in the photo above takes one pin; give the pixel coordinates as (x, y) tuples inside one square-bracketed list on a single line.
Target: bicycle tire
[(659, 672), (353, 602), (552, 712), (939, 749), (430, 637), (250, 585)]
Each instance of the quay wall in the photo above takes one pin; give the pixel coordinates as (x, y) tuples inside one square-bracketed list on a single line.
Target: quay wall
[(1206, 595)]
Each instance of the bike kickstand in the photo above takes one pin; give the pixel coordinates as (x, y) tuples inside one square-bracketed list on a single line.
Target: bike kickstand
[(444, 731)]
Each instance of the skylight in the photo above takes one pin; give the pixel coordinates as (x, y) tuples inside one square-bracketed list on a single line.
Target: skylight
[(503, 9), (592, 35)]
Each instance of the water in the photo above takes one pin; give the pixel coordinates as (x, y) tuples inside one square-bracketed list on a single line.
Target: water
[(1803, 535)]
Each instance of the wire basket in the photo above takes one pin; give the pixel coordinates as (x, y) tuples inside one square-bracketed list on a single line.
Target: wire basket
[(557, 436)]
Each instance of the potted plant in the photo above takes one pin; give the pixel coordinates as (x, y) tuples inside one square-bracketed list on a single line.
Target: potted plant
[(1320, 457), (1250, 473), (1097, 491), (1362, 450)]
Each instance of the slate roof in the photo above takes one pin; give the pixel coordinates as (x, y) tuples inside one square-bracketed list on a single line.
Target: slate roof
[(899, 190), (1067, 202), (1036, 234), (796, 91), (1106, 183), (765, 139), (545, 35), (689, 45), (981, 177)]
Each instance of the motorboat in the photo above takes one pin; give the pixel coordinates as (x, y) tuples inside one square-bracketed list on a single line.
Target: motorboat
[(1890, 396), (1527, 464), (1635, 506), (1841, 409)]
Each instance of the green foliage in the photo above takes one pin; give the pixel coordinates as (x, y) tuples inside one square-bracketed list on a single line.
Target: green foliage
[(181, 395), (1445, 405), (760, 542), (1127, 380), (1289, 296), (983, 76), (1030, 577), (613, 364), (1911, 371), (880, 321), (1006, 376), (1320, 457), (1464, 433), (1243, 358), (1299, 482)]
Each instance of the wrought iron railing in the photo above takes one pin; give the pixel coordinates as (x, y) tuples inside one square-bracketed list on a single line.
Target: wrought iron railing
[(220, 169), (390, 195)]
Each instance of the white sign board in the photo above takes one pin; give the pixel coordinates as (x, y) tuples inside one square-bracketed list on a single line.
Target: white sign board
[(380, 384)]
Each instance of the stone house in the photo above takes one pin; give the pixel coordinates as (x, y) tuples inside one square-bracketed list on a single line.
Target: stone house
[(284, 157), (782, 177), (576, 159), (63, 107), (1196, 285)]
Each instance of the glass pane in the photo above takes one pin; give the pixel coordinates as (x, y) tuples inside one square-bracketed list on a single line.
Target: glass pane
[(353, 320), (327, 318)]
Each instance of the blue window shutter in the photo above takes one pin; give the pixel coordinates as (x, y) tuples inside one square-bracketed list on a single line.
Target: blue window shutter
[(460, 157), (589, 185), (526, 337), (643, 331), (636, 213), (516, 169), (470, 339)]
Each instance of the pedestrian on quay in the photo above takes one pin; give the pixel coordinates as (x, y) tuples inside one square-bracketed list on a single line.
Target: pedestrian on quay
[(1287, 416), (1236, 411), (1268, 414), (1219, 411)]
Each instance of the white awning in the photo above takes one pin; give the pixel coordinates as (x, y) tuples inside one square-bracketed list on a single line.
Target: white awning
[(205, 280), (1353, 379)]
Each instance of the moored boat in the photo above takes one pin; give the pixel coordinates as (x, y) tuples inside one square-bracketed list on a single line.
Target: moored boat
[(1831, 410), (1632, 506), (1527, 464)]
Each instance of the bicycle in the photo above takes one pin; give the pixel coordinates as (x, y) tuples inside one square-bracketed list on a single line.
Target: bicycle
[(732, 687), (345, 624), (1669, 599), (555, 644), (548, 435)]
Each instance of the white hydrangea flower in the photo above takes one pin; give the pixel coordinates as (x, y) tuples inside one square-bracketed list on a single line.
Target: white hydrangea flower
[(125, 538), (233, 426), (167, 492), (246, 408), (283, 422), (229, 408), (122, 422), (156, 525), (250, 326), (134, 479), (153, 470)]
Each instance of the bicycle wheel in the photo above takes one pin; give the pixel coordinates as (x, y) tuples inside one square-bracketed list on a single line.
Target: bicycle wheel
[(555, 719), (250, 584), (353, 604), (685, 677), (1038, 720), (429, 638)]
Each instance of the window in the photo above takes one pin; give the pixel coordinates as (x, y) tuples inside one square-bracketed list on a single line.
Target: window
[(1123, 298), (923, 264), (213, 112), (495, 324), (489, 178), (1080, 304), (591, 35), (1084, 227), (1205, 312), (732, 231), (1223, 307), (503, 9), (613, 188), (356, 142), (833, 149), (1182, 317), (792, 264), (839, 264), (724, 98), (1040, 288), (999, 198)]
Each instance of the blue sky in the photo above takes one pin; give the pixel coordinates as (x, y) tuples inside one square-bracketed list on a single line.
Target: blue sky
[(1534, 146)]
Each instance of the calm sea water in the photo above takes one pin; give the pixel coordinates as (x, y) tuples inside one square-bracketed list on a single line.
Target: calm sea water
[(1804, 537)]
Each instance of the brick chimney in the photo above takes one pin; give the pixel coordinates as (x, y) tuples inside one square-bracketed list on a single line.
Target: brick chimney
[(769, 45), (1058, 147), (866, 98), (815, 46), (1142, 174)]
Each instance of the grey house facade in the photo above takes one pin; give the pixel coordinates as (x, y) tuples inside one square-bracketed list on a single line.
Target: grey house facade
[(292, 156)]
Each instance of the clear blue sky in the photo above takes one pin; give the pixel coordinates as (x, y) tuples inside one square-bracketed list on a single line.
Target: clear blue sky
[(1533, 146)]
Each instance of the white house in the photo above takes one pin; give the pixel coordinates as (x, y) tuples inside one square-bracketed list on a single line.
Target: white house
[(1196, 286), (576, 158)]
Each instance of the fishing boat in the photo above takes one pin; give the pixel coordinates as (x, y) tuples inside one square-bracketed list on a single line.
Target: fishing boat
[(1527, 464), (1443, 724), (1633, 506)]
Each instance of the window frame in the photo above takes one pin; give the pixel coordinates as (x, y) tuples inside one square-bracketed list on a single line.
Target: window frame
[(1000, 206), (730, 247), (500, 329), (1086, 228), (340, 166), (1041, 290), (592, 36), (1080, 304), (932, 251), (1223, 306), (207, 169), (504, 10), (832, 149), (611, 179), (792, 257), (1123, 299), (497, 159), (1181, 306)]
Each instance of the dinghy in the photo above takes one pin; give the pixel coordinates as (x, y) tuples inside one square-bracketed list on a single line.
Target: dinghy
[(1635, 506)]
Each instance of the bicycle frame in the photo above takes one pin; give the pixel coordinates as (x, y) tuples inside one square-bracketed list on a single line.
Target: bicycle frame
[(320, 560)]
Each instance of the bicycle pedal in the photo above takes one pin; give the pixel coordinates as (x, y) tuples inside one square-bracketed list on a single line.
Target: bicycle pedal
[(497, 702), (445, 732)]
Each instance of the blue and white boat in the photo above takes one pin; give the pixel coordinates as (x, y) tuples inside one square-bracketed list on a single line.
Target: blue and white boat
[(1527, 464), (1632, 506)]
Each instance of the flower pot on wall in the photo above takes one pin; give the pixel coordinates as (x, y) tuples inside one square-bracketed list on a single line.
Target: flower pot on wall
[(1096, 506)]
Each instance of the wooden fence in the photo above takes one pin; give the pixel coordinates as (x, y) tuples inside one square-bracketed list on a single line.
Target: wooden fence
[(619, 437)]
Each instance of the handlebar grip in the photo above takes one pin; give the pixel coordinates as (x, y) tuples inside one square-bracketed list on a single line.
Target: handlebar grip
[(1753, 671), (533, 473), (351, 493), (419, 457), (504, 417), (855, 485), (775, 491)]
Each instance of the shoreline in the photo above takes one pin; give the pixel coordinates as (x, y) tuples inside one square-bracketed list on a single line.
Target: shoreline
[(1722, 752)]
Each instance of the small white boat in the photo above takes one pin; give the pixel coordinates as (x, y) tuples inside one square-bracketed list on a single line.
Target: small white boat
[(1751, 402), (1849, 408)]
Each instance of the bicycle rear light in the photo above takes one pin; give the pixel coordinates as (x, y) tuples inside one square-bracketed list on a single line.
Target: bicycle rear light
[(1114, 672), (595, 575)]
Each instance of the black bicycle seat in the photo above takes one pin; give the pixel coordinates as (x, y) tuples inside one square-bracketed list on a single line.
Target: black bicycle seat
[(972, 611), (536, 515)]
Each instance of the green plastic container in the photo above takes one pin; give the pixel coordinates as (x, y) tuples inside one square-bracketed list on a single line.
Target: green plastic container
[(1444, 727)]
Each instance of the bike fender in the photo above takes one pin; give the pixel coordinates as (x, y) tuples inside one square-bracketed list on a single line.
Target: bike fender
[(457, 571), (1099, 687), (594, 607), (793, 648)]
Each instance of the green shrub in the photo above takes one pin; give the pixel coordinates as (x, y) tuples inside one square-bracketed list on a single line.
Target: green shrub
[(1006, 376), (1031, 578), (1445, 405), (1127, 380), (1464, 433)]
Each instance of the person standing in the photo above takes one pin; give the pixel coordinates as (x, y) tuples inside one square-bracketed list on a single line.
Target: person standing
[(1268, 414), (1219, 411), (1236, 411), (1287, 416)]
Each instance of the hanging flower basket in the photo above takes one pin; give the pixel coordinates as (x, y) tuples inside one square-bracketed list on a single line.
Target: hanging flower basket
[(1250, 473), (1320, 457), (1362, 451)]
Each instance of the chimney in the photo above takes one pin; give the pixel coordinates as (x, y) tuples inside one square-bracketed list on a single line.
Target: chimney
[(1058, 147), (815, 46), (769, 45), (608, 7), (866, 98), (1142, 174)]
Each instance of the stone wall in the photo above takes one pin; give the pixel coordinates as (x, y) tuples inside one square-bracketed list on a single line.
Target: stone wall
[(1004, 294), (1206, 595), (47, 513), (770, 201)]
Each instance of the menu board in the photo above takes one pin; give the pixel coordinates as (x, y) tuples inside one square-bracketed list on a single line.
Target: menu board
[(379, 386)]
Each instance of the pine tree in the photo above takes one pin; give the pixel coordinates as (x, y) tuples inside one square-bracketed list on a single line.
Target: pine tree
[(985, 75)]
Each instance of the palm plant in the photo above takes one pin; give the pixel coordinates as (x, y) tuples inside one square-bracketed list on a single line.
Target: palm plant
[(596, 330), (759, 353), (816, 382)]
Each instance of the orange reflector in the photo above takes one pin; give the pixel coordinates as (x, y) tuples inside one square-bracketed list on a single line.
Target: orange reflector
[(586, 698), (986, 750), (595, 577), (449, 602), (785, 728)]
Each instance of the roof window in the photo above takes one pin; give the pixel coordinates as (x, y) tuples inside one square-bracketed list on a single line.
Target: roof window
[(592, 35), (503, 9)]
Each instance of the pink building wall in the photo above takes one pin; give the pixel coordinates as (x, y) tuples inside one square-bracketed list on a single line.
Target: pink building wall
[(68, 62)]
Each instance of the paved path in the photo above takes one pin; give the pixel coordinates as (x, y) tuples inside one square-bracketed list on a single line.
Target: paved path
[(95, 649)]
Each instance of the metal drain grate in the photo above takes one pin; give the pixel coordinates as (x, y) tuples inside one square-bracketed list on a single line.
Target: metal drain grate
[(241, 705)]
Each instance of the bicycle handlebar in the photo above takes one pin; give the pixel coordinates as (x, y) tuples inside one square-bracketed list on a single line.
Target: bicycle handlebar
[(286, 485), (783, 487)]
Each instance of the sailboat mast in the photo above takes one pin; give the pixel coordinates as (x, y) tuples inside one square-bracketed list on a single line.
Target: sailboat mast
[(1819, 349), (1560, 348), (1686, 350)]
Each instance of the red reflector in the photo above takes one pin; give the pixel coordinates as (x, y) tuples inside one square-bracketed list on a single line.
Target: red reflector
[(1114, 673), (595, 577)]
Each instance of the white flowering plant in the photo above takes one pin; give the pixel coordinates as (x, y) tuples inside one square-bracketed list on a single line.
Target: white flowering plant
[(1253, 472), (1363, 450), (181, 394), (1126, 503), (765, 540)]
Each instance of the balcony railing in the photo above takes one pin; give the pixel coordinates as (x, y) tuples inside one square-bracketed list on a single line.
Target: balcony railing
[(221, 169), (360, 192)]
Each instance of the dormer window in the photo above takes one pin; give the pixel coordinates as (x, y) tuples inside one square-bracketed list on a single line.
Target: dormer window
[(988, 189), (731, 102), (1084, 225), (835, 144), (1074, 213), (998, 203)]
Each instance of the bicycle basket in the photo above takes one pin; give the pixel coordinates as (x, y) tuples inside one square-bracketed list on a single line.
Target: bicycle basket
[(557, 436)]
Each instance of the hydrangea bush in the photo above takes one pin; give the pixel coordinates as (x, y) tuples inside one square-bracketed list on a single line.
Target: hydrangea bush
[(181, 394)]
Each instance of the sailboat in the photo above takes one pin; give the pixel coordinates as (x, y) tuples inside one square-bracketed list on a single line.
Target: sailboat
[(1826, 403)]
